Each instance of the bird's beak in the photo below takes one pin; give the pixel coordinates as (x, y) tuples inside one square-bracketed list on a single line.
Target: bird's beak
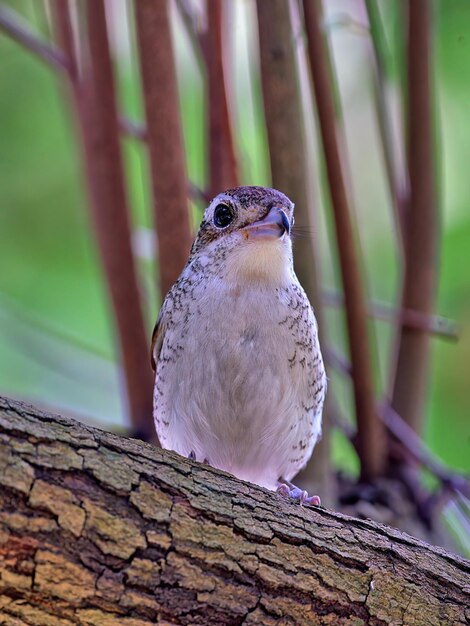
[(273, 226)]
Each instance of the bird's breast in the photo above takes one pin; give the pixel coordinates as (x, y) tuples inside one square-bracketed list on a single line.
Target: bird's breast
[(233, 353), (236, 372)]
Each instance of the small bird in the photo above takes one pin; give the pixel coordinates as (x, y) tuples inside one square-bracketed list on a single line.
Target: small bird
[(239, 375)]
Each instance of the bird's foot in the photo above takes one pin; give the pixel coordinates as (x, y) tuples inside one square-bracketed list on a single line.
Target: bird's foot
[(192, 457), (289, 490)]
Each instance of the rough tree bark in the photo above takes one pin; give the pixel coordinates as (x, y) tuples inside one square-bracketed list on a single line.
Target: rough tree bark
[(97, 529)]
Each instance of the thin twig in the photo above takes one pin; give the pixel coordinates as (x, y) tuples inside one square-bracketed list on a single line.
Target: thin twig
[(48, 328), (17, 28), (433, 324), (337, 361), (198, 195), (403, 434), (371, 436), (136, 130)]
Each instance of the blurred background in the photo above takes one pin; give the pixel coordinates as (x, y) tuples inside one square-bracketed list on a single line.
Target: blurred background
[(60, 344)]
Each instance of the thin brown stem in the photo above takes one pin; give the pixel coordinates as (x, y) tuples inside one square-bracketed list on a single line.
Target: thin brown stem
[(222, 160), (422, 225), (371, 439), (165, 139), (93, 95)]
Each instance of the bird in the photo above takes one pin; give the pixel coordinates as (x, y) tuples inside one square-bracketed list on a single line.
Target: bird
[(239, 375)]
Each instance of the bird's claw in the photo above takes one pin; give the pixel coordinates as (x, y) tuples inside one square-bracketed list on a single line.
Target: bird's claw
[(291, 491), (192, 457)]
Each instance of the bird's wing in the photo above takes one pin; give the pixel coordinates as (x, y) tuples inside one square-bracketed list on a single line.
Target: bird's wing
[(157, 338)]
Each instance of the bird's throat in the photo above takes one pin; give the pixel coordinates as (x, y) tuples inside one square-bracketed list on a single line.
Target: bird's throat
[(267, 262)]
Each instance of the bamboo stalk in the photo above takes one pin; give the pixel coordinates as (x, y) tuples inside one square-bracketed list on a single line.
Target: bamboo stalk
[(165, 139), (422, 224), (222, 160), (95, 104), (371, 436)]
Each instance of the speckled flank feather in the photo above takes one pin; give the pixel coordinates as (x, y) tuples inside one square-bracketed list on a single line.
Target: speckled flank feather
[(239, 374)]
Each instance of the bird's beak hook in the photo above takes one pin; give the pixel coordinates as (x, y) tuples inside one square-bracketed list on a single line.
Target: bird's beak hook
[(273, 226)]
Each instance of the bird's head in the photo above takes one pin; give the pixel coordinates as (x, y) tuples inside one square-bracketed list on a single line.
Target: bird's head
[(250, 229)]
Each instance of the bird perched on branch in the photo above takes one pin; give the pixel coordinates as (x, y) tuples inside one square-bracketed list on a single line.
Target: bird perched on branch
[(240, 381)]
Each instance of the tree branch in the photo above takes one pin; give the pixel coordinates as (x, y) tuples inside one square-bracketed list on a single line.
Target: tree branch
[(97, 529)]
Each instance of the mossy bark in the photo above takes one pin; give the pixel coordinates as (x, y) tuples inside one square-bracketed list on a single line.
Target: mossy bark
[(97, 529)]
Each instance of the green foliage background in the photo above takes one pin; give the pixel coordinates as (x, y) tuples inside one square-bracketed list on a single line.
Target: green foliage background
[(56, 329)]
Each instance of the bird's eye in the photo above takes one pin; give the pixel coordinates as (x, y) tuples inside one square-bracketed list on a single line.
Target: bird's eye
[(223, 216)]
